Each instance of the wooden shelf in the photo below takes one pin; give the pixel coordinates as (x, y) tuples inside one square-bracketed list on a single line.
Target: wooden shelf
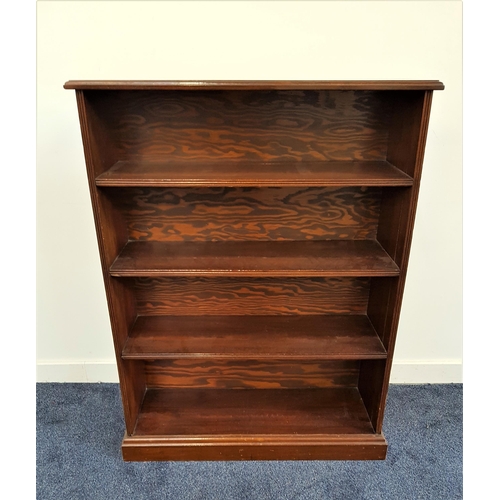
[(163, 173), (254, 337), (254, 258), (198, 412), (253, 423)]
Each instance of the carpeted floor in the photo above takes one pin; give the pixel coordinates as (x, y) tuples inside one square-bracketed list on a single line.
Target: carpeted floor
[(80, 428)]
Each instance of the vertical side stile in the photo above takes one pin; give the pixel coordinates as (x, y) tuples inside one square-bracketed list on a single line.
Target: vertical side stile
[(121, 303), (405, 202)]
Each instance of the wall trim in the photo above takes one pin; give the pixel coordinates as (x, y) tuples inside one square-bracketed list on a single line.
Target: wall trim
[(77, 371), (444, 371)]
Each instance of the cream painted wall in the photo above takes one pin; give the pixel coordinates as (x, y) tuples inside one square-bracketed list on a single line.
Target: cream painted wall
[(242, 40)]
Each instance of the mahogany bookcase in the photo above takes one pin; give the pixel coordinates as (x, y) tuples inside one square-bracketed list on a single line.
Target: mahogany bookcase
[(254, 239)]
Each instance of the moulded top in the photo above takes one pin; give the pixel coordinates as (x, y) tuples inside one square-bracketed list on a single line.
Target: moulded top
[(254, 85)]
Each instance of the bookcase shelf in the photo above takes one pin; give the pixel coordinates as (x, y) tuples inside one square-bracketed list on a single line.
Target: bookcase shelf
[(254, 241), (234, 173), (254, 258), (254, 337), (221, 424)]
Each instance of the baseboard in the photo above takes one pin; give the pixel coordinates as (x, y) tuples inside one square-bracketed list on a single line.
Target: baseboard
[(446, 371), (104, 371), (403, 372)]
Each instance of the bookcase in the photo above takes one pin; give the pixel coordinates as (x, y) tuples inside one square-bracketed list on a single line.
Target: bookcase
[(254, 239)]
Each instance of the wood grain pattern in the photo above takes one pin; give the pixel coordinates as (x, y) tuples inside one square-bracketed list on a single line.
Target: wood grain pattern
[(335, 258), (250, 373), (235, 296), (274, 125), (111, 234), (370, 386), (403, 138), (233, 219), (254, 337), (255, 84), (232, 214), (164, 172), (256, 447), (228, 412), (402, 233)]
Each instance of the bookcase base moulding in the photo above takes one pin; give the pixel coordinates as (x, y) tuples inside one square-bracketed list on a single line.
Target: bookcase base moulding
[(254, 239)]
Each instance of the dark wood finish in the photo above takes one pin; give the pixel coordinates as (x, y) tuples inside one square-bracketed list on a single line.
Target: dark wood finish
[(371, 387), (219, 412), (399, 240), (213, 373), (254, 241), (111, 236), (256, 447), (240, 296), (232, 214), (263, 126), (254, 258), (254, 337), (254, 84), (234, 173)]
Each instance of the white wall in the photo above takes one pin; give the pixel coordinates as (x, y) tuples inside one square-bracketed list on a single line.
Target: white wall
[(242, 40)]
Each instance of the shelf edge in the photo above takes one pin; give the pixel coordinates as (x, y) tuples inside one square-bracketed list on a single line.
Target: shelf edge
[(254, 85), (180, 273)]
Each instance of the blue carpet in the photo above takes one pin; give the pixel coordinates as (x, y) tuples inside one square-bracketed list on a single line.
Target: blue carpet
[(80, 428)]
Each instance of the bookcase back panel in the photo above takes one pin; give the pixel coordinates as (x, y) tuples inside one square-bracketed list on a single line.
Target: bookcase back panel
[(250, 374), (262, 125), (235, 296), (225, 214)]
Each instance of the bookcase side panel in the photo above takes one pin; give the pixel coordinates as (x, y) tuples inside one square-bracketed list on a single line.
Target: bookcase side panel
[(397, 217), (111, 236), (405, 125), (101, 149)]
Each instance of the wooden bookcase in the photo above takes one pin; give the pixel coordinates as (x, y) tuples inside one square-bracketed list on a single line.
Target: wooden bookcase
[(254, 239)]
